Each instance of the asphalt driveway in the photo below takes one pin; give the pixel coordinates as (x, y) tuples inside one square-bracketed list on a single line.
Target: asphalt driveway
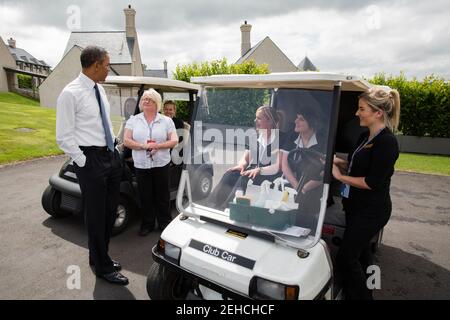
[(36, 250)]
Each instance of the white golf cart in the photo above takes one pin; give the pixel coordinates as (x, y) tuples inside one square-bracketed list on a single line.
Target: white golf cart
[(266, 243)]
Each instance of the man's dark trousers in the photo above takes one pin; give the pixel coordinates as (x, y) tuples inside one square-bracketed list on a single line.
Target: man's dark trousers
[(99, 181)]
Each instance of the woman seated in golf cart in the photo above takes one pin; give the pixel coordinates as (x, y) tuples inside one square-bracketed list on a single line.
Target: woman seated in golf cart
[(302, 163), (260, 161)]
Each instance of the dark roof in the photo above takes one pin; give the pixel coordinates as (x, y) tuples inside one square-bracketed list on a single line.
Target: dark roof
[(306, 65), (119, 47), (161, 73), (21, 55)]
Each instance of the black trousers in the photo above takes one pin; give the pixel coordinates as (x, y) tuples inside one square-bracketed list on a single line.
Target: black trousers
[(154, 192), (355, 254), (99, 181)]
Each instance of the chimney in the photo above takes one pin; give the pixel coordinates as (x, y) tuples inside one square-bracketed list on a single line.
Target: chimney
[(245, 41), (130, 22), (165, 65), (12, 43)]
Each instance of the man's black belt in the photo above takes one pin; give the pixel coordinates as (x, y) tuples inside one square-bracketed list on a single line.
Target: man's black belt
[(94, 148)]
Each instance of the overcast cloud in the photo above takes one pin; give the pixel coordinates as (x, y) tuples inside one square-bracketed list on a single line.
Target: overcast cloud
[(357, 37)]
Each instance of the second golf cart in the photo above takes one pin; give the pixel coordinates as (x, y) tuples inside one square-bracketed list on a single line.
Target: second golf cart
[(63, 195)]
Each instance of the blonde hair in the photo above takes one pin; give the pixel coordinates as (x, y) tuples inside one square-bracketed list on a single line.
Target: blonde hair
[(155, 96), (388, 102), (276, 117)]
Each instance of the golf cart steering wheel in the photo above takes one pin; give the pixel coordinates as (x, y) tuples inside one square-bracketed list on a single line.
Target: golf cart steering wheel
[(306, 164)]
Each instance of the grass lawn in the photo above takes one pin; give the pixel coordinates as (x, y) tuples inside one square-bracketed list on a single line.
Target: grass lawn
[(423, 163), (18, 112)]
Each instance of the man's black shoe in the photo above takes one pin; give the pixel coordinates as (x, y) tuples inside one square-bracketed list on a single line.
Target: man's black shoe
[(116, 265), (115, 278), (145, 231)]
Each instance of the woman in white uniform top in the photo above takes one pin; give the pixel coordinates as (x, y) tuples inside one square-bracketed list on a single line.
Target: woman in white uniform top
[(151, 136)]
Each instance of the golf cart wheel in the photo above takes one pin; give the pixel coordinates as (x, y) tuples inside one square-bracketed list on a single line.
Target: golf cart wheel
[(51, 202), (202, 185), (124, 213), (164, 284)]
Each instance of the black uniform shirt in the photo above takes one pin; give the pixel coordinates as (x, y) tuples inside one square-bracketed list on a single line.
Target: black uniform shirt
[(376, 163), (178, 123)]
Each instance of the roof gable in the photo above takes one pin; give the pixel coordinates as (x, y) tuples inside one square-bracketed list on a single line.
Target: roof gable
[(250, 52), (266, 43), (120, 48), (8, 59)]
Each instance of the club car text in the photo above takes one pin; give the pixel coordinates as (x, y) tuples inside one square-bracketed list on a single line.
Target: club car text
[(222, 254), (216, 252)]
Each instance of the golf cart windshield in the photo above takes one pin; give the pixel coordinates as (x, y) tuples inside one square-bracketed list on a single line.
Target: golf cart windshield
[(267, 148)]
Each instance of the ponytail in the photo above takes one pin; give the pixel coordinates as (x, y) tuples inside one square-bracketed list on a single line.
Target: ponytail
[(388, 102), (395, 113), (280, 116)]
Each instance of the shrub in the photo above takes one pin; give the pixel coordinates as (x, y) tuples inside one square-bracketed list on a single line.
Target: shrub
[(425, 105), (25, 82)]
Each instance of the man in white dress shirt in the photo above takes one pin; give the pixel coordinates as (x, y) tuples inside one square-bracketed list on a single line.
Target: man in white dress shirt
[(84, 132)]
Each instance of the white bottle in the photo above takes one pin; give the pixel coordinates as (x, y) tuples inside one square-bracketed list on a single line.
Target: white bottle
[(238, 193), (263, 195)]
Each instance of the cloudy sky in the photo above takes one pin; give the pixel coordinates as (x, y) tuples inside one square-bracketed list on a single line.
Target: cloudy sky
[(348, 36)]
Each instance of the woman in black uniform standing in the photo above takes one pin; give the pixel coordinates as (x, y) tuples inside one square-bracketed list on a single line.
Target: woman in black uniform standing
[(365, 187)]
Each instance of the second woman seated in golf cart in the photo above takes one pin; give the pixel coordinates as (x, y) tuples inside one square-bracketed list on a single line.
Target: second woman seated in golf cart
[(260, 161), (302, 164)]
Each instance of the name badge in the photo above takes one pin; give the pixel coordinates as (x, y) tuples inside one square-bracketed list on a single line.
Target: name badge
[(345, 191)]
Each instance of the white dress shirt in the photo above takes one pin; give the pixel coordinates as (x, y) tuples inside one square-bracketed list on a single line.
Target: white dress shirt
[(312, 142), (265, 159), (158, 130), (298, 143), (78, 119)]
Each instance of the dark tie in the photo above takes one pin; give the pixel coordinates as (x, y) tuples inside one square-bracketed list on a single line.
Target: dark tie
[(109, 139)]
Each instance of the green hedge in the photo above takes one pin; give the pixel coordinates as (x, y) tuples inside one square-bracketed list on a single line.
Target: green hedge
[(425, 105), (226, 112), (25, 82), (235, 107)]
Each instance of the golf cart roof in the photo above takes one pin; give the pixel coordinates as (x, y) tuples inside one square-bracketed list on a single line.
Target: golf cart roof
[(303, 80), (167, 85)]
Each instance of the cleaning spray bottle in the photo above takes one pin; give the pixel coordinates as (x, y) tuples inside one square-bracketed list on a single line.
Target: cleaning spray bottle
[(265, 187)]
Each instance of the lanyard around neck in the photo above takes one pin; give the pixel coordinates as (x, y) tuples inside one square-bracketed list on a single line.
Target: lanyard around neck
[(361, 146)]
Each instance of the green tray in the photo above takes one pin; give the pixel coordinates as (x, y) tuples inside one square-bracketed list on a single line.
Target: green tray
[(280, 220)]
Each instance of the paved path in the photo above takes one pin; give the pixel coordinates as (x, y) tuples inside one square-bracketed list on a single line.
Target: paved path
[(36, 250)]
